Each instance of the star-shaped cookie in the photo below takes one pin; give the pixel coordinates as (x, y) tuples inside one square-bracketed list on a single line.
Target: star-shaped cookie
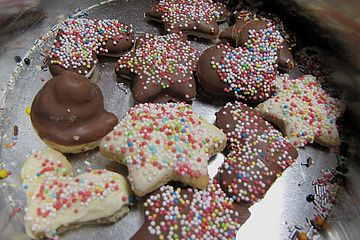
[(59, 201), (258, 153), (163, 142), (304, 111), (189, 17), (161, 69), (189, 213), (238, 34)]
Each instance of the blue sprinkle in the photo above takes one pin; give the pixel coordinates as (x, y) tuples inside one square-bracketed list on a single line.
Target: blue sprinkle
[(239, 176), (243, 135), (132, 199), (130, 144), (25, 187)]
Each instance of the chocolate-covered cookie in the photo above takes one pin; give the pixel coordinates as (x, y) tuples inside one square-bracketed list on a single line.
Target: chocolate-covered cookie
[(195, 17), (258, 153), (247, 73), (161, 69), (175, 213), (79, 41), (238, 35), (68, 113)]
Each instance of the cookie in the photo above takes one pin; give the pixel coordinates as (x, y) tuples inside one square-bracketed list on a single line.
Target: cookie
[(246, 73), (258, 153), (58, 201), (175, 213), (163, 142), (68, 113), (304, 111), (161, 69), (238, 35), (79, 42), (195, 17)]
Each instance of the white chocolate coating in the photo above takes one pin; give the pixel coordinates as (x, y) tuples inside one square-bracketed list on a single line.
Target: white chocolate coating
[(57, 200)]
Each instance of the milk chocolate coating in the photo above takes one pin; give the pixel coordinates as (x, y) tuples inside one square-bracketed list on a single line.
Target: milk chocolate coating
[(238, 34), (143, 232), (210, 80), (207, 76), (124, 42), (253, 126), (69, 111), (188, 26), (154, 92)]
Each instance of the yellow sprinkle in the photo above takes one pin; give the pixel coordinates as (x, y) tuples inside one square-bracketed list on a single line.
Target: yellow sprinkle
[(3, 173), (28, 110)]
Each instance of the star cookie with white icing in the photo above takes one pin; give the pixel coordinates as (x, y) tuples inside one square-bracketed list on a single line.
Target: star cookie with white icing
[(304, 111), (163, 142)]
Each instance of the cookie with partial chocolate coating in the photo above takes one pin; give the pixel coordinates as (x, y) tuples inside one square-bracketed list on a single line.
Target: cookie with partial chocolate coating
[(195, 17), (238, 34), (258, 153), (68, 113), (160, 68), (246, 73), (79, 41), (188, 213)]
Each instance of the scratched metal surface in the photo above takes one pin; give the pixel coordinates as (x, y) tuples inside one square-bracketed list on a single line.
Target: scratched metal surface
[(285, 201)]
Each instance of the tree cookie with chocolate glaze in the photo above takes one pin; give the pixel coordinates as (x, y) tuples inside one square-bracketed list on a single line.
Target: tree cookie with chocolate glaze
[(189, 17), (258, 153), (163, 142), (186, 213), (79, 41), (68, 113), (238, 35), (247, 73), (160, 68), (304, 111)]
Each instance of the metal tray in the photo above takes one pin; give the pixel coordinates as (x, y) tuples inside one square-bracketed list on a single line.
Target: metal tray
[(283, 207)]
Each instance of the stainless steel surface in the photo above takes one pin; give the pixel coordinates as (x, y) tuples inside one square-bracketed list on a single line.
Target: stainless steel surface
[(285, 201)]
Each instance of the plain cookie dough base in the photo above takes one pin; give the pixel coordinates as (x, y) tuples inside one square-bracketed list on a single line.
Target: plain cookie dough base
[(72, 149), (107, 220)]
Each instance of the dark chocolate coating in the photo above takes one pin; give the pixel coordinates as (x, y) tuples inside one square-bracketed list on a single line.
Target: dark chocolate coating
[(243, 143), (206, 29), (238, 34), (207, 76), (154, 92), (210, 80), (123, 44), (69, 106), (143, 232)]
